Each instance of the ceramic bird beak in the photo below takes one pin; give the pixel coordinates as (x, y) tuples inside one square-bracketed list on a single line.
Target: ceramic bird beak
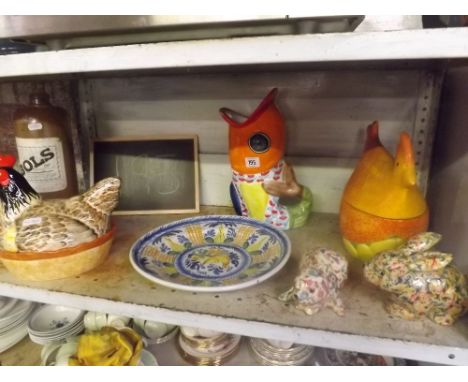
[(404, 167)]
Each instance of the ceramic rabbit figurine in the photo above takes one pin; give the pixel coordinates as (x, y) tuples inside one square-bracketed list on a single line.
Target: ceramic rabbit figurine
[(322, 274), (263, 185), (382, 205), (421, 282)]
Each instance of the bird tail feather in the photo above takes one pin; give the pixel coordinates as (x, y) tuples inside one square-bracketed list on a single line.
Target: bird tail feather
[(372, 138), (104, 195)]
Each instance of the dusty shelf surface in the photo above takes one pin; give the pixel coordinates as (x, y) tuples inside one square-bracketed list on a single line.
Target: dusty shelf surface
[(24, 353), (115, 287)]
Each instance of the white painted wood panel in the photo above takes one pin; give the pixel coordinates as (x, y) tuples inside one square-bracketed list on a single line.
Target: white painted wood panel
[(326, 178), (329, 47), (326, 112)]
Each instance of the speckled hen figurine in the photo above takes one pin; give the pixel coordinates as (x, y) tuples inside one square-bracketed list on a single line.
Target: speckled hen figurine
[(27, 223)]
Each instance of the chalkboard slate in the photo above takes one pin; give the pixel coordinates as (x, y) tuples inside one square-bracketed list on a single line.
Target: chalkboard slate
[(158, 175)]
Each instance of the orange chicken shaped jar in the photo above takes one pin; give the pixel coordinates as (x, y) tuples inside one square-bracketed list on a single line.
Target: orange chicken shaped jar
[(51, 239), (382, 205), (263, 185)]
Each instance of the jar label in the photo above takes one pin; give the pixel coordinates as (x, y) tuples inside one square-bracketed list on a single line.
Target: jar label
[(34, 126), (43, 163)]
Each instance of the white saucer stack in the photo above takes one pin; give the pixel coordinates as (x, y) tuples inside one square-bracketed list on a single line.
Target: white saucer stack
[(14, 316), (51, 323), (206, 347), (279, 353)]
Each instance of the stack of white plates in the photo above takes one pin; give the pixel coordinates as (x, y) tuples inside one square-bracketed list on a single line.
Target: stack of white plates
[(206, 347), (52, 323), (279, 353), (14, 316)]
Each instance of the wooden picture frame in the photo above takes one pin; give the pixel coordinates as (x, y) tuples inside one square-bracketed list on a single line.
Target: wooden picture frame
[(160, 175)]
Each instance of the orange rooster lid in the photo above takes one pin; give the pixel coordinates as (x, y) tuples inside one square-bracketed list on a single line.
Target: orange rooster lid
[(383, 185), (256, 142)]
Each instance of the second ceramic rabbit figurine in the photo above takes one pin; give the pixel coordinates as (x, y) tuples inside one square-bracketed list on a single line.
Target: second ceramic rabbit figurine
[(420, 281), (263, 184)]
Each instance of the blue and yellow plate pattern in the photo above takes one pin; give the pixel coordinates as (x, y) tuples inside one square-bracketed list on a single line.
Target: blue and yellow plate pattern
[(211, 253)]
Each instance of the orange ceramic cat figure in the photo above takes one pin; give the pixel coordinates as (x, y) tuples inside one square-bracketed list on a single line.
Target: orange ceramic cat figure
[(382, 205)]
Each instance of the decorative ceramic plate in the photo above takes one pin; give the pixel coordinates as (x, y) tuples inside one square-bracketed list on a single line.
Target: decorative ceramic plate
[(211, 253)]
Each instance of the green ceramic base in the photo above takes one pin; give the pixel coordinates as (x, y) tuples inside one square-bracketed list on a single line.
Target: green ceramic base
[(299, 213), (366, 251)]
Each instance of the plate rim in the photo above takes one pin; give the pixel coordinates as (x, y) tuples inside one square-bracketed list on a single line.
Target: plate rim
[(213, 289), (11, 302), (150, 355)]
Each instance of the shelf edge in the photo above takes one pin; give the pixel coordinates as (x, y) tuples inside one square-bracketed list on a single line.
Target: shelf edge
[(351, 342), (328, 47)]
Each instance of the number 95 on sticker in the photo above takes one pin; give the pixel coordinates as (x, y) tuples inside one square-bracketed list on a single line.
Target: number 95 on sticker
[(252, 162)]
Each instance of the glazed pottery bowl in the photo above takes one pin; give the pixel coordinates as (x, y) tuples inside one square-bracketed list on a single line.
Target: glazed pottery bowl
[(68, 262), (54, 318), (211, 253), (154, 332)]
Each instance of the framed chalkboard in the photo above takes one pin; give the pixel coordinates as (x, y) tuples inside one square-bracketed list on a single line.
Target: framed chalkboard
[(159, 175)]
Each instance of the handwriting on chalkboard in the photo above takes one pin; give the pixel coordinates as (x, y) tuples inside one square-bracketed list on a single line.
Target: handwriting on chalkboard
[(157, 175), (161, 175)]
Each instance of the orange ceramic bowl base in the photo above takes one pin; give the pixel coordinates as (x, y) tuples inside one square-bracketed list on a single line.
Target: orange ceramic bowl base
[(69, 262), (365, 235)]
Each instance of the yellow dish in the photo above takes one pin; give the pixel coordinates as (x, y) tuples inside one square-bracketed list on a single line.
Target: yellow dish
[(69, 262)]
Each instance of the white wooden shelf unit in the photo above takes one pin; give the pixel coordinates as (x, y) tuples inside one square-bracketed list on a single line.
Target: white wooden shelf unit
[(116, 288)]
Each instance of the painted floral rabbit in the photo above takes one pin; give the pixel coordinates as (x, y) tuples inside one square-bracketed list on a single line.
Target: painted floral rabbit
[(323, 272), (421, 282)]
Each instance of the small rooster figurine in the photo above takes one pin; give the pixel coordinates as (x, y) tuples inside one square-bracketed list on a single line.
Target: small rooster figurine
[(29, 224), (263, 184), (382, 205)]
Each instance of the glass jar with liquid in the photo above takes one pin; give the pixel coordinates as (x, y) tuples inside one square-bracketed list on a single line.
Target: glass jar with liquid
[(45, 148)]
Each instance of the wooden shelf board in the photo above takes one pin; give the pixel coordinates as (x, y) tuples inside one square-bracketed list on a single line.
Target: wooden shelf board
[(116, 288), (441, 43)]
